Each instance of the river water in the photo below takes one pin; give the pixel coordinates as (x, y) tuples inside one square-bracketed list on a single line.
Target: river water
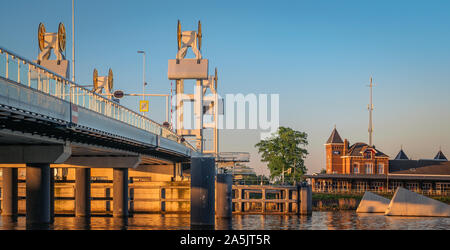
[(317, 221)]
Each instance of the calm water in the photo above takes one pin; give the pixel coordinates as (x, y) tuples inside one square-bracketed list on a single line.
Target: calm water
[(318, 220)]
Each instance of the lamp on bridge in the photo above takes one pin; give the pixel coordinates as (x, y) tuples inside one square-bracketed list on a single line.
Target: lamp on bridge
[(143, 77)]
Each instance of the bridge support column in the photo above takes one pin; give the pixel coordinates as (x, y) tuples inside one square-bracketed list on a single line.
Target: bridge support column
[(120, 192), (203, 174), (305, 200), (10, 198), (38, 193), (177, 172), (83, 192), (52, 195), (223, 196)]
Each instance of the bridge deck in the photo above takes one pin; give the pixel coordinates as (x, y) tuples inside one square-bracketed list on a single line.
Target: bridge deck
[(38, 106)]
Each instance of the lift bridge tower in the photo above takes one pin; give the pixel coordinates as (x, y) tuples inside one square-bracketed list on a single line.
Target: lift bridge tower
[(183, 68)]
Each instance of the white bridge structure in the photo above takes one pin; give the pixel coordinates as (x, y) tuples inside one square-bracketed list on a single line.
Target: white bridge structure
[(48, 122)]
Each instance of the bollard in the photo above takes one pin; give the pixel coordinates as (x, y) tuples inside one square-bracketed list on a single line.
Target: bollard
[(202, 191), (306, 200), (223, 195)]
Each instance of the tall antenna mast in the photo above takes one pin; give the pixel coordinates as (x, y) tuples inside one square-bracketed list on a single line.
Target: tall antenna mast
[(370, 108), (73, 40)]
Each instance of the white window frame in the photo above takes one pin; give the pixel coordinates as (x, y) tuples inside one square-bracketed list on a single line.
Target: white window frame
[(381, 167), (368, 166), (357, 168)]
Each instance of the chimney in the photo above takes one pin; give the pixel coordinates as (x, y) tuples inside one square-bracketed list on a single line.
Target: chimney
[(345, 147)]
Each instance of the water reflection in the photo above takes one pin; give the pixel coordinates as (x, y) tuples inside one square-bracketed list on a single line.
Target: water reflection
[(335, 220)]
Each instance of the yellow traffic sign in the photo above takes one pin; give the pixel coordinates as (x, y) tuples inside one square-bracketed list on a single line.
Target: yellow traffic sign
[(143, 106)]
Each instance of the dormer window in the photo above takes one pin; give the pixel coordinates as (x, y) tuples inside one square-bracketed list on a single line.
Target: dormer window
[(368, 154)]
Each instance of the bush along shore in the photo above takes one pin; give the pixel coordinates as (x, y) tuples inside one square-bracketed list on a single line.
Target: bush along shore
[(345, 201)]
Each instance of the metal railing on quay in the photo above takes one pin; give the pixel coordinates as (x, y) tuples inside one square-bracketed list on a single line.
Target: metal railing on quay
[(390, 191)]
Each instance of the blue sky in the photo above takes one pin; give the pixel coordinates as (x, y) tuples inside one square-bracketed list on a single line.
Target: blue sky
[(318, 55)]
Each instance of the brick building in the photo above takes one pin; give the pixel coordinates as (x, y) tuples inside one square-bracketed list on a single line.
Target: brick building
[(361, 167), (358, 158)]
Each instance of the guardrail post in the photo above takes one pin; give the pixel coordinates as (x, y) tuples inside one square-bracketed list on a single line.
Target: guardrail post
[(7, 66), (203, 174), (18, 70)]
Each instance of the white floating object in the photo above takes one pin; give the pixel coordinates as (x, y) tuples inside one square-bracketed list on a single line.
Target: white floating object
[(372, 203), (408, 203)]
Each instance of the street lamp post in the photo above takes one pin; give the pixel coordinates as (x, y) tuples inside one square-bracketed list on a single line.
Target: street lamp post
[(143, 75)]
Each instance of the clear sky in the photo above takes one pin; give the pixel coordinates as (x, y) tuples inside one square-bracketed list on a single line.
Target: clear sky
[(317, 55)]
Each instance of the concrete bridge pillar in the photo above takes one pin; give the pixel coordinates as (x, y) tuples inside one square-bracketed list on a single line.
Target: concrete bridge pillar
[(306, 200), (224, 196), (52, 195), (177, 172), (38, 193), (83, 192), (120, 192), (203, 174), (10, 198)]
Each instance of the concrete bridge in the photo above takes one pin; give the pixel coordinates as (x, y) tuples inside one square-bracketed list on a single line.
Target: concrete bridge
[(48, 121)]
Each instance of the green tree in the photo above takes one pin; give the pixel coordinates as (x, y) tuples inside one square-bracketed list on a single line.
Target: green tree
[(285, 153)]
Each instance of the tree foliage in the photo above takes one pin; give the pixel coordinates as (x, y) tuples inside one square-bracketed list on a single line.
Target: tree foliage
[(285, 152)]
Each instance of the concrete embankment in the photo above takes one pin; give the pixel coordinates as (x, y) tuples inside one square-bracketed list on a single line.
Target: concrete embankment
[(327, 202)]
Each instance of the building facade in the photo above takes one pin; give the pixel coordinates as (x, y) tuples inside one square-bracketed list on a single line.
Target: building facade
[(361, 167), (358, 158)]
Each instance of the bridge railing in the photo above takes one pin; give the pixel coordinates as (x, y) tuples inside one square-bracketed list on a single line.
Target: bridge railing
[(18, 69)]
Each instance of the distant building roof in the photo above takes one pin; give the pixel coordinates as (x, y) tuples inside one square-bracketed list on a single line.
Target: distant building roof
[(420, 167), (401, 155), (335, 137), (440, 156), (358, 148)]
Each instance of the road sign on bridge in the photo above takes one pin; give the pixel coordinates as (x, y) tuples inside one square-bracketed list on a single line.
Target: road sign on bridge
[(143, 106)]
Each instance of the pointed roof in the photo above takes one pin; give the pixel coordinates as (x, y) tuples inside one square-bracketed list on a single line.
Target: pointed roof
[(335, 137), (401, 156), (440, 156)]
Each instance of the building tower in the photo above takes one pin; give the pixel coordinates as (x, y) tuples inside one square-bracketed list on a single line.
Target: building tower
[(334, 150), (401, 155), (440, 156)]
